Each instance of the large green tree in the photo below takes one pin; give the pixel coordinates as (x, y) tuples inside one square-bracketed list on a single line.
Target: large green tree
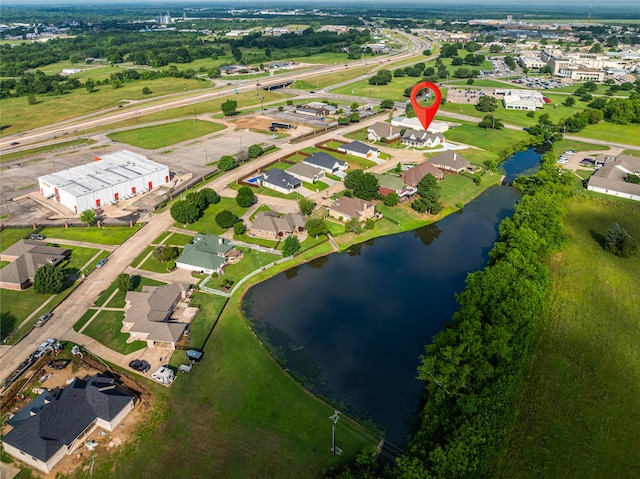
[(226, 219), (124, 282), (291, 246), (227, 162), (245, 197), (229, 107), (316, 227), (487, 103), (429, 200), (364, 185), (49, 279), (306, 206), (185, 212), (88, 217)]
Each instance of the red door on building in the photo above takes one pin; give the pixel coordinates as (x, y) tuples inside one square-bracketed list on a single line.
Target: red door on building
[(133, 190), (116, 196), (166, 179), (98, 202), (150, 184)]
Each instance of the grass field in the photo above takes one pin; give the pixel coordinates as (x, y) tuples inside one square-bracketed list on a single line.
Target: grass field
[(207, 224), (18, 115), (107, 235), (178, 239), (625, 134), (153, 265), (579, 409), (490, 140), (65, 145), (460, 189), (9, 236), (560, 147), (236, 415), (161, 136), (632, 152), (251, 261), (105, 328)]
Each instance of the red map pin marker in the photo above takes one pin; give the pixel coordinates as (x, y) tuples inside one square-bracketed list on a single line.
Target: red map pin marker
[(425, 114)]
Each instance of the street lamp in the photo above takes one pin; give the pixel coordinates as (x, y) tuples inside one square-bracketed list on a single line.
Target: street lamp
[(262, 104)]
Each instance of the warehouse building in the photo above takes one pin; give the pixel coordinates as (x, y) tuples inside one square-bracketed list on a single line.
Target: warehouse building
[(113, 177)]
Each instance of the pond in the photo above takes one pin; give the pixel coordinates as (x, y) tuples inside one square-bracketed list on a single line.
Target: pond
[(352, 326)]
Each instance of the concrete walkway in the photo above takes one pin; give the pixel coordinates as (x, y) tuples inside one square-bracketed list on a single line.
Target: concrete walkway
[(83, 244)]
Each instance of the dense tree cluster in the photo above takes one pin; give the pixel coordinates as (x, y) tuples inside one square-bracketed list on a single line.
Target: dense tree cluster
[(428, 200), (290, 246), (191, 209), (364, 185), (49, 279)]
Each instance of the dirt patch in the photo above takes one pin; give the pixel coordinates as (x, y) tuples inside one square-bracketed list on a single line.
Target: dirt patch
[(44, 375), (254, 122)]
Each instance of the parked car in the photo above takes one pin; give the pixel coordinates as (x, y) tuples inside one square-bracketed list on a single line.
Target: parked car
[(36, 236), (101, 263), (43, 319), (140, 365), (163, 375)]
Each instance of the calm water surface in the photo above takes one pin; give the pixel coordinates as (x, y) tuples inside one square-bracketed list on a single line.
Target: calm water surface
[(353, 325)]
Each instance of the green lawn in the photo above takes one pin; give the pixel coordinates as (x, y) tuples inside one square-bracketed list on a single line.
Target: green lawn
[(631, 152), (251, 261), (491, 140), (136, 262), (625, 134), (79, 257), (155, 266), (560, 147), (107, 235), (211, 306), (281, 165), (236, 415), (20, 116), (317, 186), (105, 328), (10, 236), (460, 189), (179, 239), (44, 149), (17, 305), (578, 412), (584, 174), (163, 135), (207, 224), (162, 236), (83, 319)]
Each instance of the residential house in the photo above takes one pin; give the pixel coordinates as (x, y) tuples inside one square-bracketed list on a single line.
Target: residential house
[(362, 150), (383, 131), (326, 162), (346, 208), (47, 429), (413, 175), (388, 184), (147, 314), (270, 225), (450, 161), (26, 257), (305, 172), (422, 139), (208, 254), (415, 124), (279, 180), (611, 178)]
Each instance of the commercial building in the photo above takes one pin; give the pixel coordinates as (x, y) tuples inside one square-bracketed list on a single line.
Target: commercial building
[(106, 180)]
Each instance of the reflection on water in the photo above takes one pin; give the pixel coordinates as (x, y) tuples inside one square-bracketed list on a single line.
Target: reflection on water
[(352, 326)]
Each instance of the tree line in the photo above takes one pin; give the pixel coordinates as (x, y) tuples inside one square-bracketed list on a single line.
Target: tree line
[(475, 366)]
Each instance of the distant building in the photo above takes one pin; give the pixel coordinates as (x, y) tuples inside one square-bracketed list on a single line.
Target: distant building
[(270, 225), (113, 177), (26, 257), (414, 124), (450, 161), (357, 148), (422, 139), (279, 180), (326, 162), (208, 254), (346, 208), (413, 175), (383, 131)]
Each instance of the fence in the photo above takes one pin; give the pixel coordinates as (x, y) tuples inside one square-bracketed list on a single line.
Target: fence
[(256, 247), (206, 289)]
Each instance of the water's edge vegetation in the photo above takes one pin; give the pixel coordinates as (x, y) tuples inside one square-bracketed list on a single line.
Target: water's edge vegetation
[(475, 366)]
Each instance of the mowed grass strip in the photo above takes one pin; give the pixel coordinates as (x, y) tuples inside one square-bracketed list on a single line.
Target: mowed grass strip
[(490, 140), (107, 235), (207, 224), (166, 134), (579, 410)]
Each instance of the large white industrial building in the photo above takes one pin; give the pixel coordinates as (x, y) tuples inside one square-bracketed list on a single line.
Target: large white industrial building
[(113, 177)]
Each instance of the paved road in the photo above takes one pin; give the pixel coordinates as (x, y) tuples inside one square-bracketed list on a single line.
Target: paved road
[(81, 299)]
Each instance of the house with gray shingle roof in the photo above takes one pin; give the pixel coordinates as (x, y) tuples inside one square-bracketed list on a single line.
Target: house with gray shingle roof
[(279, 180), (147, 314), (208, 253), (379, 131), (450, 161), (422, 139), (270, 225), (51, 429), (26, 257), (346, 208), (357, 148), (305, 172), (611, 178), (326, 162)]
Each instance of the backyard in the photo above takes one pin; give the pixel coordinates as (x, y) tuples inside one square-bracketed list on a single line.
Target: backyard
[(107, 235), (252, 260), (207, 224)]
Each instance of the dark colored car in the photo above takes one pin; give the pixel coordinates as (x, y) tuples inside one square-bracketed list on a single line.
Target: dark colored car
[(140, 365)]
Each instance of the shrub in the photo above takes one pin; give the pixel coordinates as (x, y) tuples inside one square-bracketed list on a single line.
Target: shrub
[(226, 219), (619, 242), (49, 279), (291, 246), (391, 199), (239, 228), (165, 253)]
